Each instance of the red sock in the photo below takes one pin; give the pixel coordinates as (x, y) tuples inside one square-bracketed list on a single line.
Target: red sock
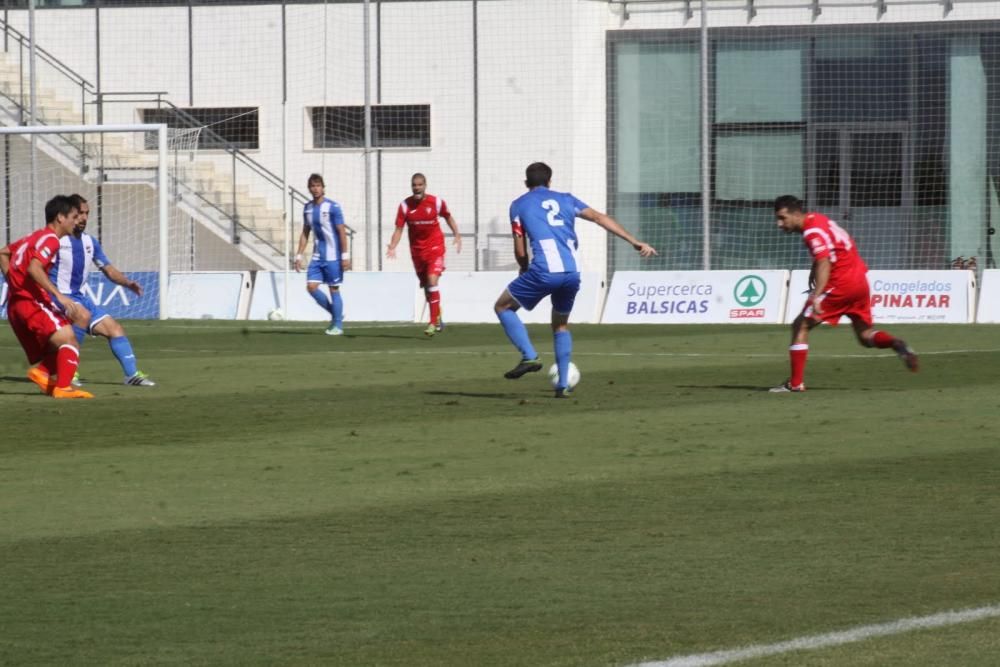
[(881, 339), (67, 361), (434, 301), (49, 364), (797, 353)]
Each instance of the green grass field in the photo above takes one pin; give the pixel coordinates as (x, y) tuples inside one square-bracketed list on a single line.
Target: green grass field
[(287, 498)]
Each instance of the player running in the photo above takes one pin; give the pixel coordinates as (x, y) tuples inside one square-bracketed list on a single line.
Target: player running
[(330, 257), (840, 289), (547, 219), (69, 273), (420, 213), (41, 325)]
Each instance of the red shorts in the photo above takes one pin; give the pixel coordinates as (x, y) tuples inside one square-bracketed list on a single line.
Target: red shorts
[(428, 263), (33, 323), (836, 302)]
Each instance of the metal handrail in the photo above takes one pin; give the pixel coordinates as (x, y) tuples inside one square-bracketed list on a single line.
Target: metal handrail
[(63, 68), (190, 122), (87, 89)]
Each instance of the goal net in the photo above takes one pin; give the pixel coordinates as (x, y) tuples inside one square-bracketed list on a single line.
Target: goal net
[(125, 186)]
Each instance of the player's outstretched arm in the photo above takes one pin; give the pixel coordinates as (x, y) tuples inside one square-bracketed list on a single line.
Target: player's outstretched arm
[(5, 259), (521, 252), (119, 278), (397, 235), (303, 240), (607, 222), (345, 256), (454, 230)]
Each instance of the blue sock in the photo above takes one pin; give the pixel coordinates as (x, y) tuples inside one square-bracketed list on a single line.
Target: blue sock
[(517, 333), (319, 296), (563, 343), (122, 349), (80, 334), (338, 309)]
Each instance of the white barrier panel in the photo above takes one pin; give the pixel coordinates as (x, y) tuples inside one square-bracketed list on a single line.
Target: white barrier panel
[(989, 297), (905, 296), (368, 297), (208, 295), (469, 297), (689, 297)]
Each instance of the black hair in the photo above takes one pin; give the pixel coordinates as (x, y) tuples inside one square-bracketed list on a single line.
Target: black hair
[(537, 173), (315, 178), (790, 202), (58, 205)]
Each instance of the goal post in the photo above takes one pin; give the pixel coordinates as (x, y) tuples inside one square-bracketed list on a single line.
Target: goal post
[(112, 168)]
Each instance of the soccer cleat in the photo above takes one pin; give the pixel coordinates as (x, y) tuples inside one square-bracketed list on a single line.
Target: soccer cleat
[(564, 392), (908, 356), (788, 388), (334, 330), (70, 392), (44, 381), (430, 330), (140, 379), (76, 381), (523, 367)]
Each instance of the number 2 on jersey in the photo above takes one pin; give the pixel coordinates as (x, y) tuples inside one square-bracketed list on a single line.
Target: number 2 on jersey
[(552, 206)]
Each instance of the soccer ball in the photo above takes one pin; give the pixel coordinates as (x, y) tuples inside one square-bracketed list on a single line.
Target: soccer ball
[(276, 315), (572, 377)]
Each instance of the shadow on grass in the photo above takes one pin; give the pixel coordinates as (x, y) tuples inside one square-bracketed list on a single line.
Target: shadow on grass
[(473, 394)]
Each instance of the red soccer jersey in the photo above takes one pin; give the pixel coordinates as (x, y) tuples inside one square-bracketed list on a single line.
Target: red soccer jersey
[(825, 238), (42, 245), (422, 219)]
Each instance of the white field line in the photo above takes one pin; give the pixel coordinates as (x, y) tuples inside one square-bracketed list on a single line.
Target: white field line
[(813, 642), (709, 355)]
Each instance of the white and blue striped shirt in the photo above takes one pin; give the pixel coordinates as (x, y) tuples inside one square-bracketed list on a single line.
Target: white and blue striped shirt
[(72, 265), (323, 219)]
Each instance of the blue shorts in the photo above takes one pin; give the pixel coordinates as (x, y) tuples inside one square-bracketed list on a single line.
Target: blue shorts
[(97, 313), (532, 286), (325, 271)]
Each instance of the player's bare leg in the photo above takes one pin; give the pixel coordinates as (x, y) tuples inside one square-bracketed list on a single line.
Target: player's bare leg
[(506, 309), (869, 336)]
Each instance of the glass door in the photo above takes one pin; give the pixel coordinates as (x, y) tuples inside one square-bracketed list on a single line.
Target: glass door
[(861, 175)]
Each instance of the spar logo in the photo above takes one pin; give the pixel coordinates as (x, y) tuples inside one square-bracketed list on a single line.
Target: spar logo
[(748, 292)]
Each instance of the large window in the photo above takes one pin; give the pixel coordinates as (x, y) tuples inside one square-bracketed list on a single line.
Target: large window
[(223, 127), (393, 126), (892, 130)]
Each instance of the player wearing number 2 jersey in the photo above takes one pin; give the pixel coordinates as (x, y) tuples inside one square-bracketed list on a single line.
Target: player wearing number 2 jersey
[(545, 219), (839, 288)]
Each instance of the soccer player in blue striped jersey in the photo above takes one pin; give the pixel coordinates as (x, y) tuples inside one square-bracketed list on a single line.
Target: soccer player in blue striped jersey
[(77, 251), (330, 257), (545, 219)]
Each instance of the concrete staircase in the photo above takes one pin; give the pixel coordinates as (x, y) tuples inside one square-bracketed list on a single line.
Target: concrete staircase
[(231, 211)]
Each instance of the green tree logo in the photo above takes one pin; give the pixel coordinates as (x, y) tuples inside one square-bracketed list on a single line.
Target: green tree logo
[(749, 291)]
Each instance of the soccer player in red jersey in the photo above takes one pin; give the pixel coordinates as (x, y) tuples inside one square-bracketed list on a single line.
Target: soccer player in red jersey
[(839, 287), (42, 327), (420, 213)]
